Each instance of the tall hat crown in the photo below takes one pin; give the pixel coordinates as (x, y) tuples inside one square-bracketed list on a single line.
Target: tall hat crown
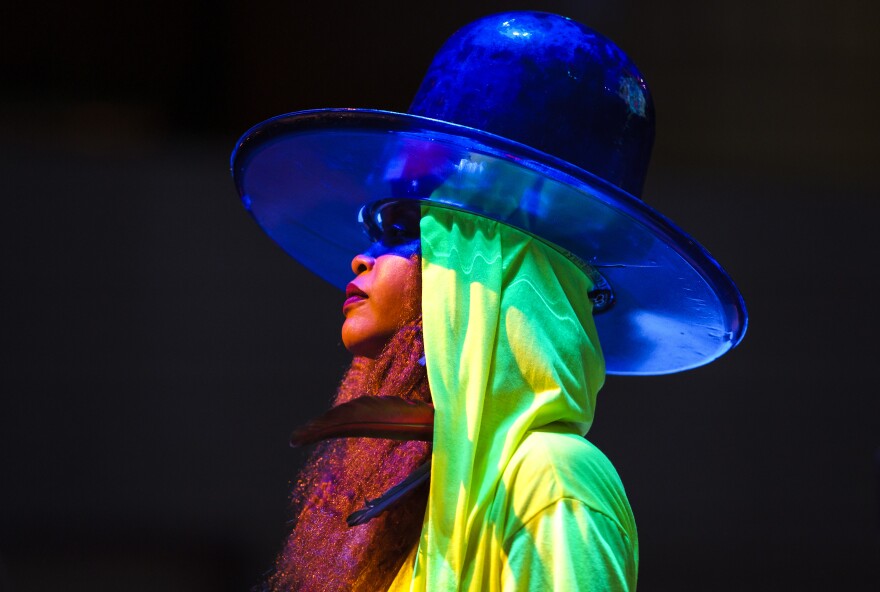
[(550, 83)]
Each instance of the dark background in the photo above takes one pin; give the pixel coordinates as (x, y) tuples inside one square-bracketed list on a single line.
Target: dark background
[(158, 348)]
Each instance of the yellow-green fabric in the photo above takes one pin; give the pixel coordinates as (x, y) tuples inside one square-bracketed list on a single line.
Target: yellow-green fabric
[(518, 500)]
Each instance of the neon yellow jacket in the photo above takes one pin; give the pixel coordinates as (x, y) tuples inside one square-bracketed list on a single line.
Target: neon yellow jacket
[(518, 500)]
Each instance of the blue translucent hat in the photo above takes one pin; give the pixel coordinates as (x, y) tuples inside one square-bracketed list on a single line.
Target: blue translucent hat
[(527, 118)]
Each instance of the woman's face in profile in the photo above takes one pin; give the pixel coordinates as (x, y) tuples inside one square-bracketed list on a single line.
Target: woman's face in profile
[(385, 292)]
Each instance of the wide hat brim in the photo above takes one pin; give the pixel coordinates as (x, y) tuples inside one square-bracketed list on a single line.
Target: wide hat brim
[(305, 176)]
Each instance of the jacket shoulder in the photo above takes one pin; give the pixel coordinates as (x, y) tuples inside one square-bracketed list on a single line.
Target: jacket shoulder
[(549, 467)]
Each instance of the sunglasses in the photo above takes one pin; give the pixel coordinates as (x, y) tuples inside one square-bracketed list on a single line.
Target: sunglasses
[(393, 222)]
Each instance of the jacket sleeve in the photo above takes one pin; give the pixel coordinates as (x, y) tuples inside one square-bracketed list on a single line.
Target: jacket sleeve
[(568, 546)]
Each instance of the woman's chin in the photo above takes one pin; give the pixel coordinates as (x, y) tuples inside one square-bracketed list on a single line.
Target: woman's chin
[(363, 348)]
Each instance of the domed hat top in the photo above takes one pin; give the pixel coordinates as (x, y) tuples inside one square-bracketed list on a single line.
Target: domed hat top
[(527, 118), (549, 83)]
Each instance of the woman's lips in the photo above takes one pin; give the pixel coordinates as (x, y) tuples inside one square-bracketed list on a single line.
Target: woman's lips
[(349, 302), (353, 295)]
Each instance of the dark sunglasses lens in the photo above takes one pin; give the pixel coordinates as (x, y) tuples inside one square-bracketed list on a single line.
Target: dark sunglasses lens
[(396, 222)]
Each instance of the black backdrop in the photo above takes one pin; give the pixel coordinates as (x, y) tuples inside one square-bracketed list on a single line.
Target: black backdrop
[(158, 349)]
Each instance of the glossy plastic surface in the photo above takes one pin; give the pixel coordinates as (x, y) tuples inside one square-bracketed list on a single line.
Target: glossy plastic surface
[(305, 176), (548, 82)]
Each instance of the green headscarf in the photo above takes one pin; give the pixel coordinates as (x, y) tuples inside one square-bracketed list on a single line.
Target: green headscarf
[(511, 350)]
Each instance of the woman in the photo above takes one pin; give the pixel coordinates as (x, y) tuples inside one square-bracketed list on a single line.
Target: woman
[(383, 331), (495, 263)]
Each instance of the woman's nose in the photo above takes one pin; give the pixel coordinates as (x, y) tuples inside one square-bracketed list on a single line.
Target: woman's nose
[(362, 263)]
